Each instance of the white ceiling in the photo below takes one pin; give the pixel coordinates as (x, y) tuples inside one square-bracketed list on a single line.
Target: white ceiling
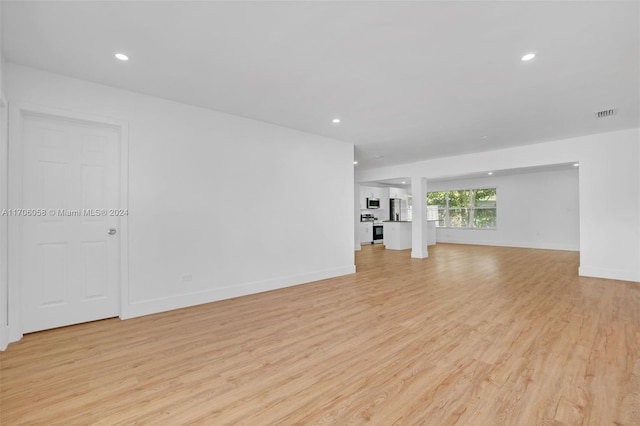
[(410, 80)]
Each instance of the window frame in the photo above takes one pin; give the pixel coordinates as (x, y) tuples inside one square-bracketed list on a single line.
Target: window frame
[(471, 207)]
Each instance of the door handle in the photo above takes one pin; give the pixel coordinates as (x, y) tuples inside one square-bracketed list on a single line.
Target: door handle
[(112, 231)]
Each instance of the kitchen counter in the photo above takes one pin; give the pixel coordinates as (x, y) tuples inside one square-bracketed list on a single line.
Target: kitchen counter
[(397, 234)]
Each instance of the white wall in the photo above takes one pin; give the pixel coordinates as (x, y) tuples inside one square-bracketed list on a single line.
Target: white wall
[(231, 201), (536, 210), (609, 191)]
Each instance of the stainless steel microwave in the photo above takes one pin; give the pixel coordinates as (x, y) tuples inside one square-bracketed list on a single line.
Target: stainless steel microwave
[(373, 203)]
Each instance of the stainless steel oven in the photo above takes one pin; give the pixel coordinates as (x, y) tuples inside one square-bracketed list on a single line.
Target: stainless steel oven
[(378, 233)]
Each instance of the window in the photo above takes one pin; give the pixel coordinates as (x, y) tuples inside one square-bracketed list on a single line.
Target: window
[(484, 208), (459, 208), (439, 201), (465, 208)]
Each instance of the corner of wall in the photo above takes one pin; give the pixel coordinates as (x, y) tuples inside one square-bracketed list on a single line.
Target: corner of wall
[(4, 331), (4, 240)]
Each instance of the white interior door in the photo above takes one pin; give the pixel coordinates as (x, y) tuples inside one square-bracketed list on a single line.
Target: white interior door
[(69, 261)]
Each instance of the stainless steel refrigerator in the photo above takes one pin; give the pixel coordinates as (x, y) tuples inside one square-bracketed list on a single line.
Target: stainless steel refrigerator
[(397, 209)]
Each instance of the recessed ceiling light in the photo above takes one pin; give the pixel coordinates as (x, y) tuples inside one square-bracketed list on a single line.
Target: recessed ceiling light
[(528, 57), (355, 162), (490, 173), (378, 156), (122, 56), (403, 182), (336, 121), (576, 164)]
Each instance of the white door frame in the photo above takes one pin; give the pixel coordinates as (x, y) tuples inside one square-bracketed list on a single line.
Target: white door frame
[(4, 242), (17, 113)]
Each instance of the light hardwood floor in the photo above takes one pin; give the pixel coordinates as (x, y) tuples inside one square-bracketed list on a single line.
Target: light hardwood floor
[(470, 336)]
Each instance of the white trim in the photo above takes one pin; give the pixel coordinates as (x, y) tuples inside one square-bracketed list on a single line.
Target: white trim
[(356, 216), (516, 244), (4, 240), (14, 177), (163, 304), (612, 274), (124, 220), (14, 173), (420, 254), (466, 228)]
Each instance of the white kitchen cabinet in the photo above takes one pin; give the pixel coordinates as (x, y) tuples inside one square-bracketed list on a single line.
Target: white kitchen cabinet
[(398, 193), (366, 232)]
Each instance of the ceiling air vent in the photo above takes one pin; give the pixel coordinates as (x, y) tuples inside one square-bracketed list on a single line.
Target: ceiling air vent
[(606, 113)]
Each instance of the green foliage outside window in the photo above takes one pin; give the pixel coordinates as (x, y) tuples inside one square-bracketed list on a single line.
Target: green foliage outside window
[(485, 210), (467, 208), (439, 199)]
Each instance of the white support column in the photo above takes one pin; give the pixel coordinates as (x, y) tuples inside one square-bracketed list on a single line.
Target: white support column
[(419, 219), (356, 217)]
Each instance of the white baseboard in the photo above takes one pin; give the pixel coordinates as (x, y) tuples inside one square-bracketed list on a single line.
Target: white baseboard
[(542, 246), (4, 337), (419, 254), (612, 274), (154, 306)]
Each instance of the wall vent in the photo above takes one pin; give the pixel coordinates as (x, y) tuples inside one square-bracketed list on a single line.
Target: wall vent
[(606, 113)]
